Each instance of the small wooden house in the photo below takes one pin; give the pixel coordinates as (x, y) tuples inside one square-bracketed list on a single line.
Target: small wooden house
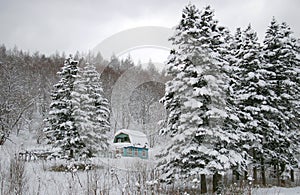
[(131, 143)]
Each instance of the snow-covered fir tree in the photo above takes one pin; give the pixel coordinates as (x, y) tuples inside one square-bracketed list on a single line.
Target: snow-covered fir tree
[(171, 99), (253, 99), (91, 111), (291, 53), (195, 100), (281, 58), (233, 123), (61, 129)]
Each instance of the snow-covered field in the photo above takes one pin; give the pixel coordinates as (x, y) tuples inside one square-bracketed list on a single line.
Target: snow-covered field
[(277, 191), (111, 176)]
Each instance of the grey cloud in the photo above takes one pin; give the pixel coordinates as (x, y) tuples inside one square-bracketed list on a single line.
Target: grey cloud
[(72, 25)]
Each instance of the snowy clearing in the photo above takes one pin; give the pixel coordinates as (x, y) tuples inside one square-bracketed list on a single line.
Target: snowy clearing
[(277, 191)]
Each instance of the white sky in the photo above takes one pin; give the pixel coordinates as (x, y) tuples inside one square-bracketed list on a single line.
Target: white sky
[(69, 25)]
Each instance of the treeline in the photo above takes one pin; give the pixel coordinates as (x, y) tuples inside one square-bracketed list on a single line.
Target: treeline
[(27, 80), (233, 103), (25, 83)]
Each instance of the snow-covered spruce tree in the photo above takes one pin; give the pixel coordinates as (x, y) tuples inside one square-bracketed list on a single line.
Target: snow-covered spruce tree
[(61, 129), (233, 122), (194, 99), (91, 111), (281, 58), (251, 95), (217, 43), (173, 95), (171, 99), (291, 95)]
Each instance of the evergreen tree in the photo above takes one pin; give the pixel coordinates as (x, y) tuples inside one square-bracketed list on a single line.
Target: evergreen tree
[(174, 66), (233, 123), (127, 63), (291, 53), (194, 98), (92, 111), (282, 61), (61, 124), (114, 63), (253, 100)]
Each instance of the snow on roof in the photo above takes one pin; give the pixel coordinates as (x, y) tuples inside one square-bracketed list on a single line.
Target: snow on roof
[(137, 138)]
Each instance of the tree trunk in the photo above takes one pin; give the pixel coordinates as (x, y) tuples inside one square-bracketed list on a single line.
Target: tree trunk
[(255, 181), (255, 168), (245, 175), (274, 171), (277, 175), (235, 175), (2, 135), (2, 140), (203, 184), (292, 175), (282, 168), (216, 181), (71, 154), (263, 172)]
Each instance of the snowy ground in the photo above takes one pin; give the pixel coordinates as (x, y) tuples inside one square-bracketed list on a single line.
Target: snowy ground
[(113, 176), (277, 191)]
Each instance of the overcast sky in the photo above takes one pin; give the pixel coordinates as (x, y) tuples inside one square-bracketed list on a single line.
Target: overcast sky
[(69, 25)]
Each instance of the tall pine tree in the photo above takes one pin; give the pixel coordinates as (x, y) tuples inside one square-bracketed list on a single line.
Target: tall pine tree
[(251, 95), (92, 110), (200, 144), (61, 128), (281, 59)]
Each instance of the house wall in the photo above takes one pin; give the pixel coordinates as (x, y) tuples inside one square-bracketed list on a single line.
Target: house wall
[(136, 152)]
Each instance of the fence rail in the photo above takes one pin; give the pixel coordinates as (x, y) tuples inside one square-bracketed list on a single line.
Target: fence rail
[(33, 156)]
